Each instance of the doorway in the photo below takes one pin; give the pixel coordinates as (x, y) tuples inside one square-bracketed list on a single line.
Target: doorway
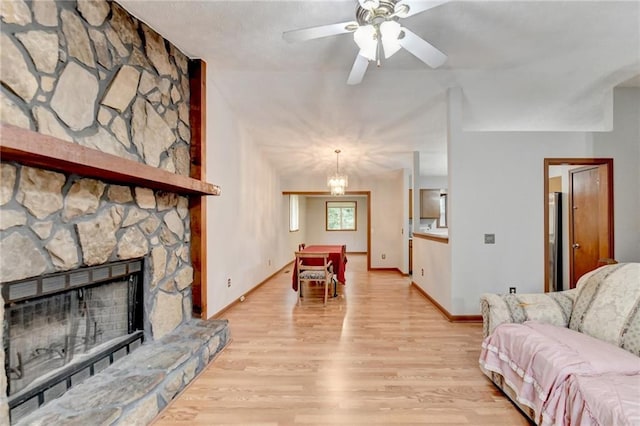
[(588, 189), (365, 194)]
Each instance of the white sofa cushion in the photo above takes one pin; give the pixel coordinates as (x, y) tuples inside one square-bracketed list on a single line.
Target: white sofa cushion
[(551, 308), (607, 305)]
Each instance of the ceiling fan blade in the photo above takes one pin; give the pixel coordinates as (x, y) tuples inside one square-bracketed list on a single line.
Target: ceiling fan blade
[(357, 71), (415, 7), (319, 32), (422, 50)]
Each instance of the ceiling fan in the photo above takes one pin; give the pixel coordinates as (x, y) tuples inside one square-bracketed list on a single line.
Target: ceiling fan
[(377, 30)]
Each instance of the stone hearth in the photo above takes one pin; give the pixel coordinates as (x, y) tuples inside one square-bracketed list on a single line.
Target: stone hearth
[(134, 390)]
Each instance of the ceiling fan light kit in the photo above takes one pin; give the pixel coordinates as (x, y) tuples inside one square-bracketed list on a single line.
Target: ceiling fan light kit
[(391, 33), (377, 29), (369, 4), (366, 37)]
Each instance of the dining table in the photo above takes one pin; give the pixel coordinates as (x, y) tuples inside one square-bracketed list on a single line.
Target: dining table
[(337, 255)]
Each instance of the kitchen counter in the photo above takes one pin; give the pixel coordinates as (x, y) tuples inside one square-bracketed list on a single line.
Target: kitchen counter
[(439, 234)]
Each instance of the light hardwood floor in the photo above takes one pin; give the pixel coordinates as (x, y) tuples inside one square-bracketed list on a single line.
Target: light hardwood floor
[(379, 353)]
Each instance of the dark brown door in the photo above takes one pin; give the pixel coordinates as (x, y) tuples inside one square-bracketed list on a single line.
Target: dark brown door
[(590, 225)]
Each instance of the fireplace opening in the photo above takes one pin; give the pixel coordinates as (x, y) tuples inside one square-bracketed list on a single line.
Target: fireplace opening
[(61, 328)]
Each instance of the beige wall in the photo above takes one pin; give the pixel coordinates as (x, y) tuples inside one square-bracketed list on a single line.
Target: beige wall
[(356, 241)]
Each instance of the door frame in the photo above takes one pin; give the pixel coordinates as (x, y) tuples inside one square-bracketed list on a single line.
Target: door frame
[(574, 162), (367, 194)]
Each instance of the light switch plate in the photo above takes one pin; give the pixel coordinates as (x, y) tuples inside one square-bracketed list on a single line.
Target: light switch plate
[(489, 238)]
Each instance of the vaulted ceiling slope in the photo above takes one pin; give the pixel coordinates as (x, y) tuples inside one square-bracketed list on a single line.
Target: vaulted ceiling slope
[(522, 65)]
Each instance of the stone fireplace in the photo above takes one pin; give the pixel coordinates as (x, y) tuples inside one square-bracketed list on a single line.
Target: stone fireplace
[(63, 327), (111, 223), (89, 74)]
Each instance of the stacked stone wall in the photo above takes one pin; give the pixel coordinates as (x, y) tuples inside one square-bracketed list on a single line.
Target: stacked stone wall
[(87, 72)]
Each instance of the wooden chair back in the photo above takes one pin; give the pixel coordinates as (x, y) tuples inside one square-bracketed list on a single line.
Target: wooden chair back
[(313, 267)]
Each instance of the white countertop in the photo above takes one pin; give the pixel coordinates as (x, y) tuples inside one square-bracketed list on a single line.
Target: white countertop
[(439, 232)]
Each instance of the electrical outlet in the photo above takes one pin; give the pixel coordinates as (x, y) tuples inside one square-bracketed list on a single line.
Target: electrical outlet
[(422, 272), (228, 282), (512, 290), (489, 238), (384, 256), (269, 262)]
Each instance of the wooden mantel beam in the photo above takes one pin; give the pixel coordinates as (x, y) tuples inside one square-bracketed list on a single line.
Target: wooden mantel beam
[(37, 150)]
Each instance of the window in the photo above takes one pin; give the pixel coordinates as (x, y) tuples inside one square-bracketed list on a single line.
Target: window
[(294, 213), (442, 223), (341, 216)]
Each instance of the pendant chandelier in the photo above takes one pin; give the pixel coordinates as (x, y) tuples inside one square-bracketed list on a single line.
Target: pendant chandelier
[(337, 182)]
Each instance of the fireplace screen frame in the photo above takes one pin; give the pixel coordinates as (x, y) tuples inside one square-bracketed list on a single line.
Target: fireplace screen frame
[(60, 282)]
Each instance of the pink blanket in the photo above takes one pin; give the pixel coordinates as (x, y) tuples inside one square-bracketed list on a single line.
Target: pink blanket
[(603, 400), (537, 360)]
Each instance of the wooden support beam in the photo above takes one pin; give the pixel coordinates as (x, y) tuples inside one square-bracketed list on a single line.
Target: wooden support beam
[(198, 206)]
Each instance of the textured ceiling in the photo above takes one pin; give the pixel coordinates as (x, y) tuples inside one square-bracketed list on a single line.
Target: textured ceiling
[(526, 65)]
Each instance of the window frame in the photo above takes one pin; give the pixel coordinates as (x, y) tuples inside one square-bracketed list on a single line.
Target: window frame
[(336, 204)]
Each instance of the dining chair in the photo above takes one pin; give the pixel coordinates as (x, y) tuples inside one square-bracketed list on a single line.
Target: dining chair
[(314, 267)]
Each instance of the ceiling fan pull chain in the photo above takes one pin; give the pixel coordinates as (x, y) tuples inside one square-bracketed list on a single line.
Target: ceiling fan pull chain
[(378, 47)]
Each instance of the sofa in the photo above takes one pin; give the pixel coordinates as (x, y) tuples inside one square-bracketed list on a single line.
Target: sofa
[(569, 357)]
